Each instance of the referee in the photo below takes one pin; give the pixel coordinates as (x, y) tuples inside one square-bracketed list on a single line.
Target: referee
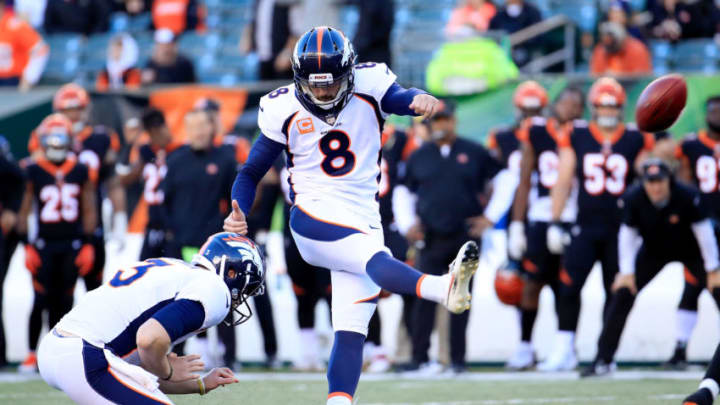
[(662, 222)]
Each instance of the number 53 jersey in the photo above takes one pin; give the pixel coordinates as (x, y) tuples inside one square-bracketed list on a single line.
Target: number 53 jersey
[(333, 165), (604, 168)]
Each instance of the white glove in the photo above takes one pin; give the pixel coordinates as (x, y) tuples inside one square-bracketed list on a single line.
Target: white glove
[(555, 239), (119, 228), (517, 242)]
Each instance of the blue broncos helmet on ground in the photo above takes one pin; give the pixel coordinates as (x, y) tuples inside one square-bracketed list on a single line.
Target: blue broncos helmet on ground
[(240, 263), (324, 57)]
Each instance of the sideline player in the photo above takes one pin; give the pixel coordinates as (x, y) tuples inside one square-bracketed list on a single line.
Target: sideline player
[(662, 222), (329, 123), (538, 174), (529, 100), (112, 348), (601, 156), (710, 385), (96, 146), (63, 191), (699, 157), (150, 163)]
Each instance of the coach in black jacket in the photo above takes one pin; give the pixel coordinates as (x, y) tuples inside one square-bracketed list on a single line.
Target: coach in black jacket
[(662, 222), (196, 186)]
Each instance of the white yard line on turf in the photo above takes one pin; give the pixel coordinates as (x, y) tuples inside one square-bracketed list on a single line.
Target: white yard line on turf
[(523, 401), (480, 376), (511, 401)]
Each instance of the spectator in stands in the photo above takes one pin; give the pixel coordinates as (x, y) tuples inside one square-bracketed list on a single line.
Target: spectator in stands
[(471, 18), (678, 19), (372, 38), (618, 53), (135, 7), (82, 17), (120, 71), (32, 11), (23, 52), (269, 35), (620, 12), (514, 16), (178, 15), (166, 64)]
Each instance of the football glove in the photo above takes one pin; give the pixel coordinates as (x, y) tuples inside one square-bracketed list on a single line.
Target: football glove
[(85, 259), (32, 259)]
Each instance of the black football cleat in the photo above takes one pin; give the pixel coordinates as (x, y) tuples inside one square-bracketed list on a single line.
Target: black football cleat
[(598, 368), (678, 361), (703, 396)]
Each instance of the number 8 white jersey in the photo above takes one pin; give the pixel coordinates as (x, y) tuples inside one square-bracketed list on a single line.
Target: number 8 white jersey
[(333, 165)]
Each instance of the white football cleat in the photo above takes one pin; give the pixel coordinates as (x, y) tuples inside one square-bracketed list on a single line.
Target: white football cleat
[(561, 359), (523, 359), (461, 272)]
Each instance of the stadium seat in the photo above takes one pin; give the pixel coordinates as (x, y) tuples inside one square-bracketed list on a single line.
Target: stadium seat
[(61, 71), (142, 22), (119, 22), (695, 54), (191, 42), (66, 43)]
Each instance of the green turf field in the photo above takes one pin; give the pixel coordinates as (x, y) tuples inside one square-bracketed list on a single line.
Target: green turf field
[(471, 389)]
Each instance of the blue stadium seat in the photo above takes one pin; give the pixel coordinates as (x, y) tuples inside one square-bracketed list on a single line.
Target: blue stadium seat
[(119, 22), (61, 71), (695, 54), (142, 22), (66, 43), (191, 42)]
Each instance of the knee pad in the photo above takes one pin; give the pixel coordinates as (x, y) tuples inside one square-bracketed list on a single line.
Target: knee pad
[(353, 318)]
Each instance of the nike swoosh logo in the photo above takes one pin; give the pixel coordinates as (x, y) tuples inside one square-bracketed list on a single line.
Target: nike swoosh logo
[(374, 227), (227, 305)]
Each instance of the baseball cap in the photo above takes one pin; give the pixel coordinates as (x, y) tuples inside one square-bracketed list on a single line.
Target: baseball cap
[(446, 109), (207, 104), (655, 169), (164, 36)]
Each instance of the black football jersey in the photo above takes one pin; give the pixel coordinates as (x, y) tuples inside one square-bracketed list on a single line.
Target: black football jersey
[(395, 151), (92, 146), (504, 145), (154, 162), (703, 155), (543, 135), (58, 192), (604, 169)]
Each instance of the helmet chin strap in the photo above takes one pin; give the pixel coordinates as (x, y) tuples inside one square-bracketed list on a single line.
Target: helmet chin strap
[(222, 266)]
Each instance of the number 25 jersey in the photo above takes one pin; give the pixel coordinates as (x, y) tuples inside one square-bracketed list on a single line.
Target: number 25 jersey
[(604, 168), (336, 164), (58, 192)]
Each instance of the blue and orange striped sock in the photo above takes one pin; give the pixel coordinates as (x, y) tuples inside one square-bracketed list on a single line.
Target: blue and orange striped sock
[(399, 278), (344, 367)]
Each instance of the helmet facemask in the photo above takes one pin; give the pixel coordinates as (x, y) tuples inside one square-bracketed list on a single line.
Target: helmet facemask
[(56, 146), (242, 285)]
